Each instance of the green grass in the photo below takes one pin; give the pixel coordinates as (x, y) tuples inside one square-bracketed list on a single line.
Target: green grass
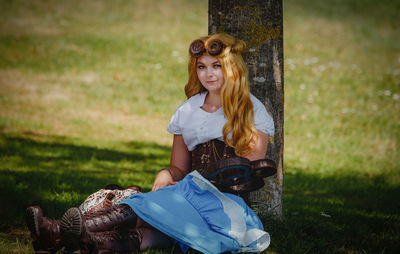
[(87, 89)]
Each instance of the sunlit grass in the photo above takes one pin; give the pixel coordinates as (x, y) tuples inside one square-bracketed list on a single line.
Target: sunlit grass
[(347, 84), (342, 123), (87, 89)]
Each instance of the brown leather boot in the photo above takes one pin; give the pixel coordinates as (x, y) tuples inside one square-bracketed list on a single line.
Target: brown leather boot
[(45, 232), (76, 226), (115, 241)]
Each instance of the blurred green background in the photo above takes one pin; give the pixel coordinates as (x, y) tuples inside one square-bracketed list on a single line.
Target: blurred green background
[(87, 89)]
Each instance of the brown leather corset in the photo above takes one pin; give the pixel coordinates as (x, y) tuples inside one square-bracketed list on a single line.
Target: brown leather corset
[(208, 153)]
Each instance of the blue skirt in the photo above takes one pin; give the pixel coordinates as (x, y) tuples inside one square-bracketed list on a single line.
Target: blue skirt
[(196, 214)]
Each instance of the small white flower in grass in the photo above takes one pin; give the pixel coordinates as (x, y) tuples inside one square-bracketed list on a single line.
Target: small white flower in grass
[(318, 69), (307, 62), (302, 86), (314, 60), (90, 78), (157, 66), (175, 53), (333, 64), (325, 215), (289, 61), (396, 72), (374, 107), (387, 92), (396, 96), (314, 70), (345, 110)]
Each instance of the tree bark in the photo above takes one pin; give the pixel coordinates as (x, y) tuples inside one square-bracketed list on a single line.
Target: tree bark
[(260, 24)]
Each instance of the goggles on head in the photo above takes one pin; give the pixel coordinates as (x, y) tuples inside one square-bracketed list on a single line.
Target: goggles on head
[(214, 48)]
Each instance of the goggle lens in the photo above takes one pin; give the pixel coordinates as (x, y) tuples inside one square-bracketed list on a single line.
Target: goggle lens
[(197, 48)]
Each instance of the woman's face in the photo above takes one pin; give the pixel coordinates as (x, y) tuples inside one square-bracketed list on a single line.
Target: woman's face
[(210, 74)]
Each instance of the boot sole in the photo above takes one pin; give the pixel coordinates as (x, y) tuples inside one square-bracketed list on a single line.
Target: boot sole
[(31, 218), (32, 222), (71, 227)]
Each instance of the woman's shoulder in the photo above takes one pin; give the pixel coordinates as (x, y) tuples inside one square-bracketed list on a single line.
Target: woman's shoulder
[(262, 119), (191, 103), (256, 102), (185, 113)]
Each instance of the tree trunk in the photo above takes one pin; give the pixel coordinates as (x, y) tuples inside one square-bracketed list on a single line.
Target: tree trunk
[(260, 24)]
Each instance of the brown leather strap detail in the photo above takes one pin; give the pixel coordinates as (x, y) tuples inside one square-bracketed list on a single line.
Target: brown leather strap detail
[(209, 153), (225, 163), (109, 218), (254, 184), (263, 168)]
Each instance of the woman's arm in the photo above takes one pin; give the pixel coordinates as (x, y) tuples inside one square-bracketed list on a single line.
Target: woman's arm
[(260, 149), (178, 167)]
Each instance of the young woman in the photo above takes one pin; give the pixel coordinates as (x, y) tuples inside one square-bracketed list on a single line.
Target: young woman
[(220, 141)]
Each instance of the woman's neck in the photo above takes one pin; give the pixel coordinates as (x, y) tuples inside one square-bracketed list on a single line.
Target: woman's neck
[(213, 99), (212, 102)]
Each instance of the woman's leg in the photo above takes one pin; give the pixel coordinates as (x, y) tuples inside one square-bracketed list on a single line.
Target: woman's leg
[(151, 237), (46, 232), (76, 227), (127, 240), (77, 223), (117, 228)]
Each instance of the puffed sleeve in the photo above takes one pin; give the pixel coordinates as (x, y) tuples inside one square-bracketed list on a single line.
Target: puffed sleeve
[(262, 120), (174, 127)]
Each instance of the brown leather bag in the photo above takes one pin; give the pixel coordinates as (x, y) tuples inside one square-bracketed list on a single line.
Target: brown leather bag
[(239, 175), (105, 198), (229, 173)]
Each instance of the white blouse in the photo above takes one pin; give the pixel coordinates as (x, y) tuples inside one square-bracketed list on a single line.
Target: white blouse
[(198, 126)]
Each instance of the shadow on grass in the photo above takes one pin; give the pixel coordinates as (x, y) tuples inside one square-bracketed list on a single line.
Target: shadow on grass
[(344, 213), (47, 154), (56, 174), (337, 214)]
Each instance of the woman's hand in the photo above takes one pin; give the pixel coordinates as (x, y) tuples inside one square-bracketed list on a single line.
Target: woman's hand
[(163, 179)]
